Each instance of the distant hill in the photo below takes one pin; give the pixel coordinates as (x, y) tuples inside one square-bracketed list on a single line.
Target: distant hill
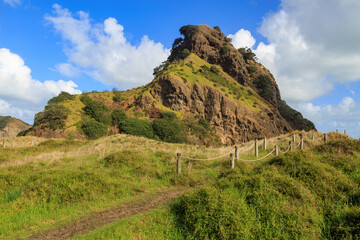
[(11, 127), (207, 92)]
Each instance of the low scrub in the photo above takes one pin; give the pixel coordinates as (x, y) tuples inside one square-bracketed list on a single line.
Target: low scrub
[(94, 129), (137, 127)]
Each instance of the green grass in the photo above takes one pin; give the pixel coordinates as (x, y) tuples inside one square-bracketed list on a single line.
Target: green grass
[(312, 194)]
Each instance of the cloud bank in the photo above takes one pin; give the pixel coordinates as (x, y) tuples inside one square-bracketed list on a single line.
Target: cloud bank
[(103, 52), (22, 96)]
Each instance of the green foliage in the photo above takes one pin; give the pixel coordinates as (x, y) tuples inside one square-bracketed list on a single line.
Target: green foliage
[(4, 121), (294, 118), (264, 85), (118, 97), (168, 115), (185, 53), (214, 69), (96, 109), (177, 42), (53, 117), (10, 195), (137, 127), (228, 40), (61, 97), (225, 49), (93, 129), (189, 30), (159, 69), (205, 123), (117, 116), (24, 132), (251, 69), (217, 28), (169, 130), (247, 53)]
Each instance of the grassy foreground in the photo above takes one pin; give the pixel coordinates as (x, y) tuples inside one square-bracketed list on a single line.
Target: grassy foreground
[(312, 194)]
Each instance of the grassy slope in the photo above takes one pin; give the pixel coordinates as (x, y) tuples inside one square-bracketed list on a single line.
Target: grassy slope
[(303, 195), (189, 71)]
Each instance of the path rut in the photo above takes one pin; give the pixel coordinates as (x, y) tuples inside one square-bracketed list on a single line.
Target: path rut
[(89, 223)]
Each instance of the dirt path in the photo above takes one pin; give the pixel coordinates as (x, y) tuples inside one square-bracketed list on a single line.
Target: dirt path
[(90, 223)]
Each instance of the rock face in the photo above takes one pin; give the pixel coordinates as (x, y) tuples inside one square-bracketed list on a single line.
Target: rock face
[(215, 48), (12, 127), (233, 123)]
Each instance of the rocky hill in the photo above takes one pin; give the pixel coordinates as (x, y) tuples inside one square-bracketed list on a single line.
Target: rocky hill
[(11, 127), (207, 92)]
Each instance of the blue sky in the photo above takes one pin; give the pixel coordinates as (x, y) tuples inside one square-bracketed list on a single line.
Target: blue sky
[(47, 46)]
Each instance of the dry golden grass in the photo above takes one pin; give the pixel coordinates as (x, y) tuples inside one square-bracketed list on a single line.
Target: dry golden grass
[(115, 143)]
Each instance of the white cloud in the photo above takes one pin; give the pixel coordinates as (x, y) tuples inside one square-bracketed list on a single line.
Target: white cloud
[(22, 96), (13, 3), (344, 115), (103, 52), (242, 38), (67, 70), (312, 45)]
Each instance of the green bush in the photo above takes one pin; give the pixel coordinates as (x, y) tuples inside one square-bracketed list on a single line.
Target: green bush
[(53, 117), (189, 30), (217, 28), (214, 69), (168, 115), (169, 130), (185, 53), (264, 85), (137, 127), (96, 109), (247, 53), (94, 129), (117, 116), (177, 42), (251, 69), (118, 96), (3, 121), (61, 97), (225, 49)]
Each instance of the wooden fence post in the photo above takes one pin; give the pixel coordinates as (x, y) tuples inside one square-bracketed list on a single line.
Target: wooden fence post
[(232, 162), (313, 137), (276, 150), (264, 143), (325, 138), (293, 138), (301, 142), (178, 164), (236, 153), (32, 142), (256, 148), (291, 143), (4, 145)]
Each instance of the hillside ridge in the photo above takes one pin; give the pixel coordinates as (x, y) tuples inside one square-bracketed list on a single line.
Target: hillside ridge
[(215, 94)]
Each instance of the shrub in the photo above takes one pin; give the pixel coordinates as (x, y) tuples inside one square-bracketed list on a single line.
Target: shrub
[(61, 97), (168, 130), (185, 53), (225, 49), (205, 123), (247, 53), (53, 117), (94, 129), (177, 42), (228, 40), (96, 109), (117, 116), (117, 96), (189, 30), (217, 28), (137, 127), (265, 87), (168, 115), (251, 69), (159, 69), (214, 69), (3, 122)]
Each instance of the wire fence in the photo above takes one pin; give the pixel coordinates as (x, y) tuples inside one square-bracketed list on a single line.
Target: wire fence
[(255, 146)]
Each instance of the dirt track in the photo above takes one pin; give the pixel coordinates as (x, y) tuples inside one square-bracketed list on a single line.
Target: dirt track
[(90, 223)]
